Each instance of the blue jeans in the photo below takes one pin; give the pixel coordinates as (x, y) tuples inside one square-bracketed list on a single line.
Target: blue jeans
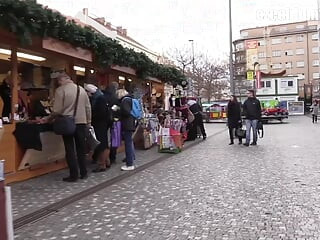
[(251, 124), (129, 147)]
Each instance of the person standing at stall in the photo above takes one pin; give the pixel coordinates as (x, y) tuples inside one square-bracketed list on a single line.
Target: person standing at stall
[(195, 108), (100, 116), (5, 94), (127, 128), (234, 118), (113, 104), (252, 112), (65, 102)]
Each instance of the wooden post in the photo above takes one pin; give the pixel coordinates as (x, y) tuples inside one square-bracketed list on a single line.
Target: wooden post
[(14, 81)]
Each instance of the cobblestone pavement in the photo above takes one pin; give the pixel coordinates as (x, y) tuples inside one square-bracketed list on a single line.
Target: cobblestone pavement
[(31, 195), (211, 191)]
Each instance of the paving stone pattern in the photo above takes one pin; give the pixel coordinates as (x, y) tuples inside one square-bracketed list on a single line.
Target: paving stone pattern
[(211, 191), (31, 195)]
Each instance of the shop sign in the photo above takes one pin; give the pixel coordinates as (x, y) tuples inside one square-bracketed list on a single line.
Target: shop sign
[(250, 75), (66, 49), (251, 44)]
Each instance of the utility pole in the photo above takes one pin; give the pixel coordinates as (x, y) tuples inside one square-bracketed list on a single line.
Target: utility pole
[(318, 5), (232, 83), (193, 66)]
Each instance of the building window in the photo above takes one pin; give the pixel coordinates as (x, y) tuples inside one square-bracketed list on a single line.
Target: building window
[(261, 54), (244, 34), (315, 36), (289, 53), (315, 75), (288, 39), (263, 67), (275, 41), (315, 50), (262, 84), (268, 84), (300, 63), (300, 38), (315, 63), (276, 53), (290, 83), (262, 43), (288, 65), (240, 46), (276, 66), (299, 51)]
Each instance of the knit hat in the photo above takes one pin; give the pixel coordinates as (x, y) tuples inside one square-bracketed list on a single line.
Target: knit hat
[(191, 102), (90, 88)]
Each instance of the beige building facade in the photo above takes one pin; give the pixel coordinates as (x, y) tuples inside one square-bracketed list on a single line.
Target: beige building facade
[(292, 49)]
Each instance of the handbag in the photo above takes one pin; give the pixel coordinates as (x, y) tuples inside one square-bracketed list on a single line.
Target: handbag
[(260, 129), (92, 140), (241, 133), (66, 125)]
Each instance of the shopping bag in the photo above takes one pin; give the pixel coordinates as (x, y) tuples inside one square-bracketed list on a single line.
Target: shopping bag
[(92, 140), (240, 133), (116, 134), (260, 129)]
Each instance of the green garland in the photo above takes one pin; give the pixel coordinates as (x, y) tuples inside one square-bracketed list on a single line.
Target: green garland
[(28, 18)]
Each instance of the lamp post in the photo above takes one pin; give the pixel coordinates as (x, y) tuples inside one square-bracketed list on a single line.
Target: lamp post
[(232, 84), (192, 48)]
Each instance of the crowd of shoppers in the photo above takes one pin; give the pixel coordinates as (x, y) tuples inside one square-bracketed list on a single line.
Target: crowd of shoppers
[(105, 111)]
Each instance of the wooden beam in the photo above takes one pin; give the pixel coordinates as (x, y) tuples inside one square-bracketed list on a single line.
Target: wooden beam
[(14, 81)]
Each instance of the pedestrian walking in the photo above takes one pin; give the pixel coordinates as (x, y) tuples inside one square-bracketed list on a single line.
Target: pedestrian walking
[(252, 112), (113, 104), (72, 99), (127, 128), (315, 111), (100, 124), (234, 118), (195, 108)]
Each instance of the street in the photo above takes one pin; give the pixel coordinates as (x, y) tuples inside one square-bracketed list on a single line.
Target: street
[(209, 191)]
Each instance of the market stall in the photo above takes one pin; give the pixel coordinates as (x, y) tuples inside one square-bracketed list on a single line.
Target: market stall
[(33, 149)]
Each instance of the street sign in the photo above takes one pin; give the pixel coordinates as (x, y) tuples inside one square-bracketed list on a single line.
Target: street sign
[(250, 75)]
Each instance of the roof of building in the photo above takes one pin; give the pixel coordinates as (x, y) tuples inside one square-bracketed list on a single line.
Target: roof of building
[(110, 27), (282, 24)]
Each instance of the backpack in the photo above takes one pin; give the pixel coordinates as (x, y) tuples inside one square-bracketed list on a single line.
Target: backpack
[(136, 109)]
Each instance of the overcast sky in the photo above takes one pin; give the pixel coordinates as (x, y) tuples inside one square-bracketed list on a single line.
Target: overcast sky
[(166, 24)]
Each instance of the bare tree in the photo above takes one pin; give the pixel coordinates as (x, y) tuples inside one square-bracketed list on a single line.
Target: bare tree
[(215, 80), (182, 58)]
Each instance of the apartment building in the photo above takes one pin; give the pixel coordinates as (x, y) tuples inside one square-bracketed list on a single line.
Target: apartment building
[(287, 49)]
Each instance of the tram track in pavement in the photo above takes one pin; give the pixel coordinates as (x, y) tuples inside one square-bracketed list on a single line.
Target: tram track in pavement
[(55, 207)]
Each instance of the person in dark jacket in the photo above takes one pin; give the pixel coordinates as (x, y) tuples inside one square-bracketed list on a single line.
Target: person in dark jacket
[(252, 112), (114, 104), (5, 94), (100, 125), (195, 108), (234, 118), (127, 128)]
